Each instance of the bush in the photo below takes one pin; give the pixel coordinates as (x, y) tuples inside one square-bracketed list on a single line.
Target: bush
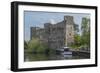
[(37, 46)]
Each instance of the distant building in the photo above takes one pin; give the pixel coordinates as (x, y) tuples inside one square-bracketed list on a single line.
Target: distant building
[(56, 35)]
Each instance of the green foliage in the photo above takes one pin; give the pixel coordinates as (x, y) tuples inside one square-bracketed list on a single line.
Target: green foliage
[(25, 45), (51, 51), (76, 28), (82, 40), (41, 47), (85, 32), (86, 39), (85, 25), (77, 40), (33, 44), (37, 46)]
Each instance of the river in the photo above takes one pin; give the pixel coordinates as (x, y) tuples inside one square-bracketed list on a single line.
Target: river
[(45, 57)]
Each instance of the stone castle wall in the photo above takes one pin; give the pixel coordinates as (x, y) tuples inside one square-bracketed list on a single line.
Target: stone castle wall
[(56, 35)]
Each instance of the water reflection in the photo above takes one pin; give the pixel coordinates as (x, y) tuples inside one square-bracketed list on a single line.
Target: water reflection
[(44, 57)]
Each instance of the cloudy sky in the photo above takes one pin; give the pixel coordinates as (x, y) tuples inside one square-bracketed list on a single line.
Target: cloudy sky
[(37, 19)]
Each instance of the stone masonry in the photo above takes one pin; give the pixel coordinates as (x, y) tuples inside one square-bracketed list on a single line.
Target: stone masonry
[(56, 35)]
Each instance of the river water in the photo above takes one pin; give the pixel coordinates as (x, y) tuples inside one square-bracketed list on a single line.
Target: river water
[(45, 57)]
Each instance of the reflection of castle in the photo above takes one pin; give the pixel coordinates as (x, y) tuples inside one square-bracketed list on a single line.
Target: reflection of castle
[(56, 35)]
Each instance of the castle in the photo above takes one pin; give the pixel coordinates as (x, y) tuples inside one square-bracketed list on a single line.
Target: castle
[(56, 35)]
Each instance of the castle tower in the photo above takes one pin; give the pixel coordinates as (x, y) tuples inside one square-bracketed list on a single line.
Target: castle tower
[(34, 32), (69, 30)]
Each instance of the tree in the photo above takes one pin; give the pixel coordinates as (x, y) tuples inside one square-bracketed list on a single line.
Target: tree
[(77, 37), (85, 28), (36, 45), (76, 28), (84, 38), (25, 45), (77, 40)]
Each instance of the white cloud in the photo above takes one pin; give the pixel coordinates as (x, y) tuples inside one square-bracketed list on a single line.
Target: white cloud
[(52, 21)]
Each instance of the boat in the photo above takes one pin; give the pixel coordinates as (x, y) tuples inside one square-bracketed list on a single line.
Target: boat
[(65, 51)]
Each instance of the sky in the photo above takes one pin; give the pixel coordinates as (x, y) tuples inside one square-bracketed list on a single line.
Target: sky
[(37, 19)]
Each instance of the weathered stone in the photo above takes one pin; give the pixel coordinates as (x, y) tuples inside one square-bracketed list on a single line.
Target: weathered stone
[(56, 35)]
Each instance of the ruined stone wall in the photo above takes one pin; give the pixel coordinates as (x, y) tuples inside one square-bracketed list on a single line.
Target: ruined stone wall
[(56, 35), (69, 22)]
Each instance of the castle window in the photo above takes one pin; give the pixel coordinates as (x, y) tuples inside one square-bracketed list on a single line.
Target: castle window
[(70, 34)]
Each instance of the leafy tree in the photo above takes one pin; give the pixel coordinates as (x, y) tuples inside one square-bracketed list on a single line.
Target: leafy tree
[(76, 28), (77, 40), (33, 44), (25, 45), (84, 38), (36, 45), (85, 28)]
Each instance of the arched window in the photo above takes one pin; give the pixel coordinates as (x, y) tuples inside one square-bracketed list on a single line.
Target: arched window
[(70, 34)]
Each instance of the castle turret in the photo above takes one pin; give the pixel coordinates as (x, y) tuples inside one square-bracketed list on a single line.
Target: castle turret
[(69, 30)]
